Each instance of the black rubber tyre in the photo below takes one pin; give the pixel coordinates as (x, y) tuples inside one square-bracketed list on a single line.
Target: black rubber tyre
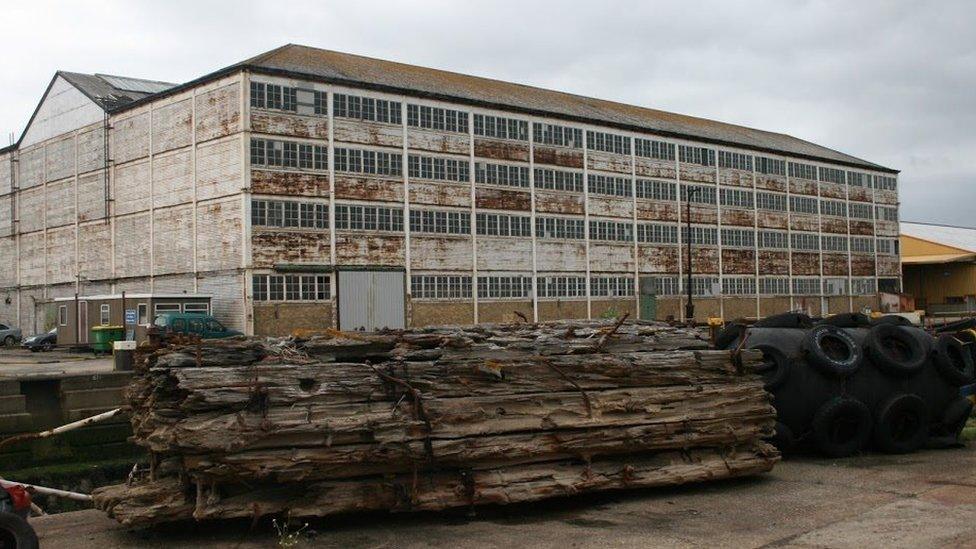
[(901, 425), (783, 438), (953, 361), (9, 341), (833, 350), (847, 320), (968, 337), (895, 350), (891, 320), (729, 335), (16, 532), (785, 320), (775, 369), (841, 427), (956, 414)]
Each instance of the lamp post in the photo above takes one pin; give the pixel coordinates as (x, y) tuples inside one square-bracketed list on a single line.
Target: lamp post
[(689, 305)]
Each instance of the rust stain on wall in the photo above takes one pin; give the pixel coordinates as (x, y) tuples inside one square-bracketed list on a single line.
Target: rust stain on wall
[(834, 225), (368, 133), (500, 199), (862, 227), (803, 186), (608, 162), (888, 265), (701, 214), (774, 262), (806, 263), (363, 249), (291, 125), (501, 150), (289, 183), (567, 158), (366, 188), (440, 194), (772, 220), (646, 167), (700, 174), (703, 260), (804, 222), (771, 182), (736, 261), (657, 259), (438, 142), (859, 194), (835, 264), (833, 190), (656, 211), (270, 247), (735, 216), (862, 265), (735, 178), (558, 202)]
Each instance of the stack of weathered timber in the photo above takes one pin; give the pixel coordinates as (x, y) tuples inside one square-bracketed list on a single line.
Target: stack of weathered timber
[(436, 418)]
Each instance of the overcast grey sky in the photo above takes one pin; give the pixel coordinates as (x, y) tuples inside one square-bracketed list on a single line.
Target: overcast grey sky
[(891, 82)]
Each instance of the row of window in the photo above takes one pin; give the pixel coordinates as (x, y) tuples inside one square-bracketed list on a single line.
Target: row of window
[(553, 134), (440, 222), (274, 96), (365, 108), (558, 180), (709, 286), (436, 168), (611, 231), (696, 155), (490, 224), (501, 174), (298, 287), (368, 162), (608, 185), (437, 118), (368, 218), (501, 128), (272, 153), (650, 148), (734, 160), (286, 214), (607, 142)]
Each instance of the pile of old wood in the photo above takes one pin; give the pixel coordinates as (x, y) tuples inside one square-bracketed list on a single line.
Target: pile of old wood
[(436, 418)]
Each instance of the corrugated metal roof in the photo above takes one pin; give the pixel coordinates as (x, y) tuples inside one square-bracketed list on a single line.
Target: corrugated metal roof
[(112, 92), (337, 66), (962, 238), (139, 85)]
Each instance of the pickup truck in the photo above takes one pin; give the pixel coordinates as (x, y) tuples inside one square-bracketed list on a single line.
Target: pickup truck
[(9, 336)]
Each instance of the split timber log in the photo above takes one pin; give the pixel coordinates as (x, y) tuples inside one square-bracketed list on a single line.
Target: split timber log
[(435, 418)]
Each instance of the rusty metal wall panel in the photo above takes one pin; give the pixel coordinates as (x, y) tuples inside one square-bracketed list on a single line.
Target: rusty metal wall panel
[(772, 220), (129, 137), (509, 253), (660, 169), (219, 168), (612, 257), (703, 260), (91, 148), (440, 252), (227, 297), (705, 215), (59, 158), (701, 174), (32, 258), (8, 267), (834, 225), (289, 183), (889, 265), (500, 149), (611, 207), (886, 228), (60, 203), (275, 123), (132, 245), (60, 250), (657, 259), (804, 222), (558, 202), (557, 156), (440, 194), (368, 188), (862, 227), (366, 249), (438, 142), (367, 133), (502, 199), (131, 183), (30, 167), (91, 196), (835, 264), (803, 186), (738, 261), (806, 263), (371, 300), (219, 235), (30, 209), (218, 112), (882, 196), (560, 256), (774, 262), (173, 240), (269, 247), (735, 178), (171, 125), (833, 190), (95, 250), (771, 182), (174, 284), (172, 177), (738, 216), (608, 162), (648, 210)]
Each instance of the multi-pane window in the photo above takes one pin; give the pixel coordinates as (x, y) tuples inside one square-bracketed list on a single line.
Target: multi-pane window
[(738, 285), (656, 190), (803, 171), (771, 201), (885, 183), (769, 285), (833, 243), (660, 285), (832, 175), (501, 174), (439, 169), (504, 287), (806, 286), (440, 286), (278, 213), (803, 204), (608, 185), (558, 180), (552, 134), (320, 102), (611, 286), (272, 153), (273, 96), (439, 222), (501, 128), (559, 227), (701, 194), (368, 218), (366, 108), (607, 142), (436, 118), (805, 241), (704, 285), (861, 211), (561, 286), (649, 148), (368, 162), (862, 244), (705, 236), (611, 231), (491, 224), (737, 198), (696, 155), (837, 208), (858, 179), (863, 286), (736, 161), (886, 213), (738, 238), (887, 246), (835, 286), (773, 240), (770, 166), (657, 233), (292, 287)]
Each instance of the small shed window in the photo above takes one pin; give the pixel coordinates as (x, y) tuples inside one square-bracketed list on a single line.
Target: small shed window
[(196, 308), (106, 314), (143, 314), (63, 315), (167, 308)]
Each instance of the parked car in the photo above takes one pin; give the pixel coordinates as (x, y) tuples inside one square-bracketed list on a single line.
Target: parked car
[(203, 325), (41, 342), (9, 336)]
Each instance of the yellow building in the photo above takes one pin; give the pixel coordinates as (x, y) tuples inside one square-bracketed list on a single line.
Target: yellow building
[(939, 268)]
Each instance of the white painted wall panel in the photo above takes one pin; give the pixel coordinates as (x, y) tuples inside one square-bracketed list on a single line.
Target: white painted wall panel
[(132, 245), (172, 179), (91, 148), (8, 267), (219, 168), (133, 286), (218, 112), (171, 126), (6, 220), (31, 167), (32, 258), (60, 203), (227, 297), (440, 253), (5, 182), (95, 250), (173, 240), (561, 256), (219, 235), (173, 284), (59, 158), (61, 255), (504, 253), (30, 303), (131, 191), (130, 137), (91, 196), (64, 109), (30, 209)]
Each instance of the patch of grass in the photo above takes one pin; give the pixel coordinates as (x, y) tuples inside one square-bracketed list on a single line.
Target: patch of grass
[(969, 431)]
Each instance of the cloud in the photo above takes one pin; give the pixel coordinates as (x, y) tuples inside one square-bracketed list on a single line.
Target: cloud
[(890, 82)]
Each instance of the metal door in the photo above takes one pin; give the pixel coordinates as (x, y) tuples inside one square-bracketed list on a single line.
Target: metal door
[(648, 298), (82, 322), (370, 300)]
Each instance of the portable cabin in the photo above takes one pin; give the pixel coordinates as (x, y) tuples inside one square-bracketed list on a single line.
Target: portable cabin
[(76, 316)]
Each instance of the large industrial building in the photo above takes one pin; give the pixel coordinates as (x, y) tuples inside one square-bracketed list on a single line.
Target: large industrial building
[(306, 188)]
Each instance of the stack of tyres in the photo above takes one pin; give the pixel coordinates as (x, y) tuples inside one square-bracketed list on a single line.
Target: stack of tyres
[(846, 383)]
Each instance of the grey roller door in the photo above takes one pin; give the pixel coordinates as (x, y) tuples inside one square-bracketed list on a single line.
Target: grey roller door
[(371, 300)]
